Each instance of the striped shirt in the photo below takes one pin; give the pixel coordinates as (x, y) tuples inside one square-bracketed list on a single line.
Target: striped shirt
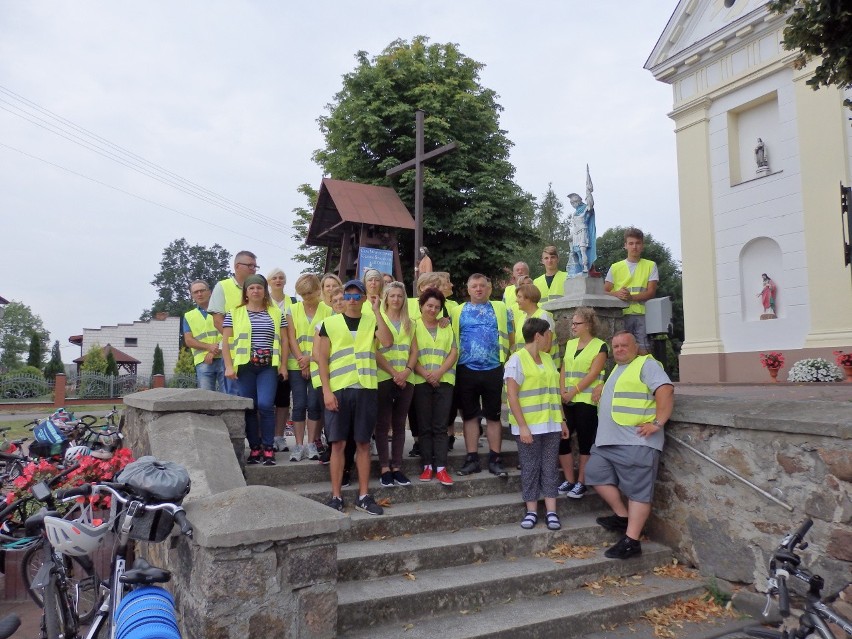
[(262, 328)]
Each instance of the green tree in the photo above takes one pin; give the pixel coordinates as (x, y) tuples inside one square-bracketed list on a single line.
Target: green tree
[(820, 29), (112, 365), (185, 364), (94, 360), (179, 266), (470, 196), (312, 256), (158, 367), (35, 358), (17, 326), (54, 366), (610, 248)]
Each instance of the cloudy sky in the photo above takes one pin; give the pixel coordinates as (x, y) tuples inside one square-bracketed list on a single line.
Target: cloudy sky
[(225, 95)]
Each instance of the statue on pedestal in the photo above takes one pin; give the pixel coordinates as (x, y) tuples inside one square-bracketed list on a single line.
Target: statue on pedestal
[(581, 228), (761, 157), (767, 297)]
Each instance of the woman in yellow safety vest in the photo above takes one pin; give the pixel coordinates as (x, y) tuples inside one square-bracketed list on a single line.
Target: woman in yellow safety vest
[(302, 320), (532, 386), (254, 346), (527, 298), (434, 383), (329, 283), (582, 370), (395, 367)]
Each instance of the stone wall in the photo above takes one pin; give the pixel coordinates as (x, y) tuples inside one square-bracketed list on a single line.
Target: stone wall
[(262, 562), (799, 452)]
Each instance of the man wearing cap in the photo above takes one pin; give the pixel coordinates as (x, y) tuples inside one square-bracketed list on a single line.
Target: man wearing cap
[(345, 351), (202, 338)]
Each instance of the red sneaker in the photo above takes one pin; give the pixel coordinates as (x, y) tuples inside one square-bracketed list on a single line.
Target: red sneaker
[(444, 477), (426, 475)]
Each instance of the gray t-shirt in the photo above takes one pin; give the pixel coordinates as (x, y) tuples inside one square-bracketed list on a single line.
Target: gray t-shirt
[(217, 300), (612, 434)]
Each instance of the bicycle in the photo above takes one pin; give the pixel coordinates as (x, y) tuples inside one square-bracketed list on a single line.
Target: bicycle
[(818, 613), (144, 513), (8, 625)]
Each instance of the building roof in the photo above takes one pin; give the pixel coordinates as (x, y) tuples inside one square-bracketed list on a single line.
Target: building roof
[(3, 300), (339, 202), (120, 357)]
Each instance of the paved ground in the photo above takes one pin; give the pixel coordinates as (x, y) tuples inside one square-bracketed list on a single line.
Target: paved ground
[(29, 613)]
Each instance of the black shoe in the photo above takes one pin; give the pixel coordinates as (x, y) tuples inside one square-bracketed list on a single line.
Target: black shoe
[(451, 440), (254, 456), (336, 503), (624, 549), (386, 480), (344, 483), (496, 468), (369, 505), (470, 467), (613, 522), (268, 456), (400, 479), (415, 450), (325, 456)]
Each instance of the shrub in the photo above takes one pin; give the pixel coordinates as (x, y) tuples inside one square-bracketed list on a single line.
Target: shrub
[(815, 369)]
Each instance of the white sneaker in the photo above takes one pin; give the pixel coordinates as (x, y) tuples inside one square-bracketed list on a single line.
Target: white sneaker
[(312, 453), (280, 444), (373, 450), (298, 453)]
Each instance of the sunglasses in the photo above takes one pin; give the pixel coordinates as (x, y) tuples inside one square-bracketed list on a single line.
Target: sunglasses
[(351, 296)]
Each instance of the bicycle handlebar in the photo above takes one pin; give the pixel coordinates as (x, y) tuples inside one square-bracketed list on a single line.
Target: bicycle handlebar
[(783, 596), (77, 491)]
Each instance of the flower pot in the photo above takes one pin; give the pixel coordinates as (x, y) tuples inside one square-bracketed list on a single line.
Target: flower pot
[(848, 371), (773, 373)]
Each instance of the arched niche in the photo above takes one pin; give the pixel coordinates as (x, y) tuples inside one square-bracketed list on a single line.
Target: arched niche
[(758, 256)]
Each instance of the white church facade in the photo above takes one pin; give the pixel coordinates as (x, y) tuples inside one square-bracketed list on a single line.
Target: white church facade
[(760, 158)]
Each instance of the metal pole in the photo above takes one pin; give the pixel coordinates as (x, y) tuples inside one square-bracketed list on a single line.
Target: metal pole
[(418, 192), (731, 473)]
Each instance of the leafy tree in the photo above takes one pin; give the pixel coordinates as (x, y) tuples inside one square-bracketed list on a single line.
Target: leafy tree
[(111, 364), (313, 256), (610, 247), (17, 326), (180, 265), (185, 364), (94, 360), (36, 354), (820, 29), (158, 367), (470, 196), (54, 365)]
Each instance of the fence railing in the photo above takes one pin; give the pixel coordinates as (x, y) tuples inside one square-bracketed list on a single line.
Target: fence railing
[(24, 387), (18, 388)]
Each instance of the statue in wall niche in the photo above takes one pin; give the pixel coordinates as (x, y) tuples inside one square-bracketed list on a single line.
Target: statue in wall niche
[(761, 157), (767, 297), (581, 228)]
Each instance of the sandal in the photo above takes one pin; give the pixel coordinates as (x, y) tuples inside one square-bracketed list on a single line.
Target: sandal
[(529, 521), (553, 522)]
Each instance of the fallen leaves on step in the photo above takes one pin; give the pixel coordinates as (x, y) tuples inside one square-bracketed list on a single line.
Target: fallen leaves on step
[(407, 627), (384, 502), (697, 609), (567, 551), (376, 538), (675, 571), (607, 583), (410, 576), (555, 592)]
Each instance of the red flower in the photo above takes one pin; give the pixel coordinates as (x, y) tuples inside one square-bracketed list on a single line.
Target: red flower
[(772, 360), (843, 359)]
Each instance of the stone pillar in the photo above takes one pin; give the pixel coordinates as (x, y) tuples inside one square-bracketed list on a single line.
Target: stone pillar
[(59, 386)]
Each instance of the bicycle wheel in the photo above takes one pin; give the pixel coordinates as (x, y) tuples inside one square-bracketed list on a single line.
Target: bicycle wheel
[(82, 578), (55, 618)]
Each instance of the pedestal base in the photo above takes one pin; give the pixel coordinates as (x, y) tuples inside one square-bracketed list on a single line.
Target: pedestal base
[(768, 316), (586, 291)]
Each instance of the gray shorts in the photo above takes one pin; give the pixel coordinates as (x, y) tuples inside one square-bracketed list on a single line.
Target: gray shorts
[(632, 468), (635, 324)]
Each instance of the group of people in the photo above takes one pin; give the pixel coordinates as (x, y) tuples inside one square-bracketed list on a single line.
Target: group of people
[(361, 361)]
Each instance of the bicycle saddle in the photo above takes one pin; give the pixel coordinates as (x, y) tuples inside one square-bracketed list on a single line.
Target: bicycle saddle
[(144, 573)]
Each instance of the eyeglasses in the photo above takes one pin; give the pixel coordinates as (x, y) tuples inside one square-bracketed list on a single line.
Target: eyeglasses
[(351, 296), (251, 266), (577, 323), (199, 290)]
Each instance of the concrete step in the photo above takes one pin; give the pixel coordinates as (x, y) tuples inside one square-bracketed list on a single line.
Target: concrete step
[(287, 473), (507, 592), (412, 517), (359, 560)]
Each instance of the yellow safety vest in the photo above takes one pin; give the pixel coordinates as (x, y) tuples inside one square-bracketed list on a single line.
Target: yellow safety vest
[(633, 402), (502, 315), (556, 288), (351, 361), (233, 293), (203, 330), (578, 366), (397, 353), (304, 330), (520, 318), (432, 352), (240, 342), (539, 394), (510, 296), (636, 283)]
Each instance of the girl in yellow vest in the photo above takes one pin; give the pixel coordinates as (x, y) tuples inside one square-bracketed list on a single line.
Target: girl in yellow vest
[(396, 365), (302, 320), (254, 347), (434, 385), (582, 371), (532, 386), (277, 280)]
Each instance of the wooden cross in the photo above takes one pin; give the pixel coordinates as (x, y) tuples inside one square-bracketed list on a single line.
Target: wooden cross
[(417, 164)]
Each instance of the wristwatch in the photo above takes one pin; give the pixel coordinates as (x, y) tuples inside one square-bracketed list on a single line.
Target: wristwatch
[(657, 423)]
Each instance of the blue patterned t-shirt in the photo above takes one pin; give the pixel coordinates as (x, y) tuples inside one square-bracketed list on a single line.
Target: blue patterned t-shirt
[(478, 337)]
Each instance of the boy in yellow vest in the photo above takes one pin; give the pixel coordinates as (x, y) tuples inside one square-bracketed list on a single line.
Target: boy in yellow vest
[(552, 283), (634, 405), (634, 281), (345, 350)]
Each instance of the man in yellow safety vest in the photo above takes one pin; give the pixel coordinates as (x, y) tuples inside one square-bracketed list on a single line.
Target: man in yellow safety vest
[(202, 338)]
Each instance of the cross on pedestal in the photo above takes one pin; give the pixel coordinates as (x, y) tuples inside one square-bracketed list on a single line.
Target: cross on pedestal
[(417, 164)]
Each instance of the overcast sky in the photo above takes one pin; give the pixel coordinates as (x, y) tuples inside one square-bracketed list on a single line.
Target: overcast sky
[(226, 95)]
